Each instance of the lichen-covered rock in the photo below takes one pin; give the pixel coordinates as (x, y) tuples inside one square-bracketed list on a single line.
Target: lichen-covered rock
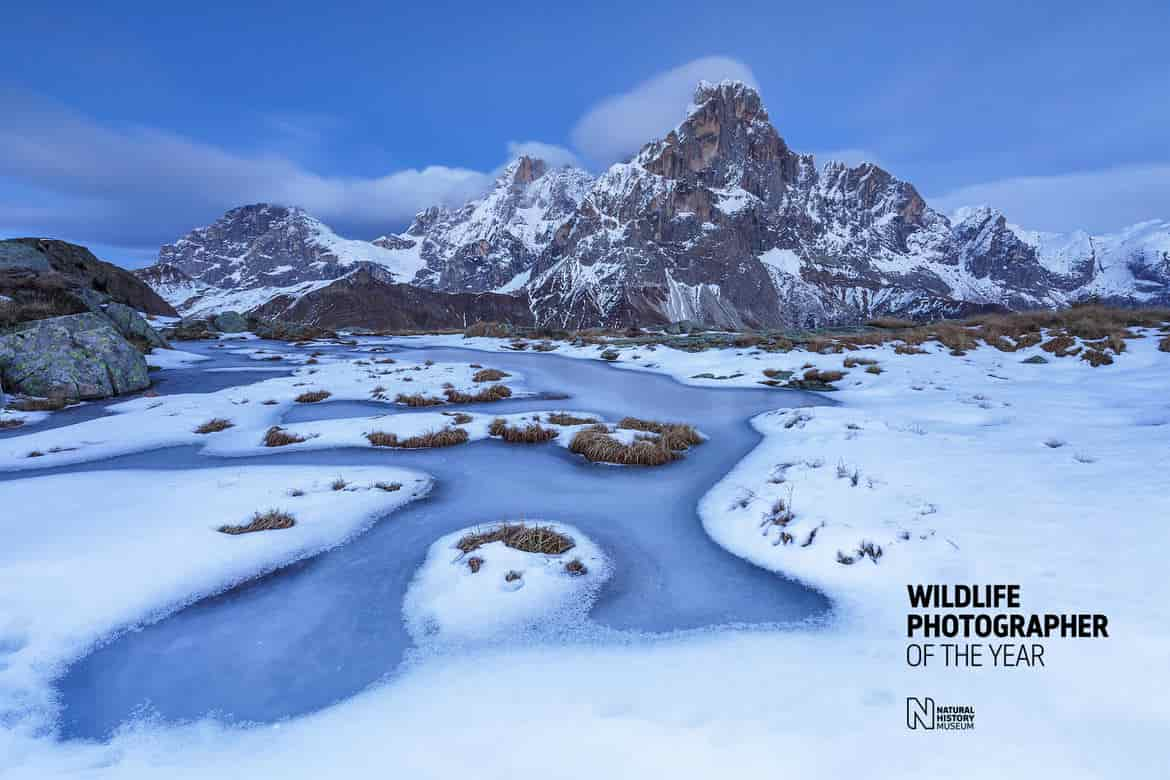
[(133, 326), (230, 322), (79, 356)]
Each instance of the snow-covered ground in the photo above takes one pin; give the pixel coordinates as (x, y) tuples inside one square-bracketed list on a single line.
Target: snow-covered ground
[(974, 469), (448, 602)]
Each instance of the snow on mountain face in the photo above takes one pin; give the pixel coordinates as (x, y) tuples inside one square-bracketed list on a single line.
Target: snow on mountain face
[(719, 219), (493, 241), (263, 246)]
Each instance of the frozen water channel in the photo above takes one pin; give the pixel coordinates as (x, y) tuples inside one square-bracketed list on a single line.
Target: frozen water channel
[(323, 629)]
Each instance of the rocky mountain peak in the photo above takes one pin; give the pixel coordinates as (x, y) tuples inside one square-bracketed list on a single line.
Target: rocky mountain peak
[(524, 170), (726, 140)]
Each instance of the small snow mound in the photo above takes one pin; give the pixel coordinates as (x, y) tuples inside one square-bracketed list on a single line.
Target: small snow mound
[(492, 590)]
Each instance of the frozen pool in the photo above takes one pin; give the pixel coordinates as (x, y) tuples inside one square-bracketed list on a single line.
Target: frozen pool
[(323, 629)]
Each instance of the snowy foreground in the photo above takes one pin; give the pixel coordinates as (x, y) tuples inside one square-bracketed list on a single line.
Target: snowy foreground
[(974, 469)]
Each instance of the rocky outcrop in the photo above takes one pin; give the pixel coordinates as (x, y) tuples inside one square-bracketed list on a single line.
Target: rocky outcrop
[(76, 357), (230, 322), (42, 269), (365, 299)]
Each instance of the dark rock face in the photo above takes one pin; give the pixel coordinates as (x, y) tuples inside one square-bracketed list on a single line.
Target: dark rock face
[(76, 357), (56, 271), (368, 300)]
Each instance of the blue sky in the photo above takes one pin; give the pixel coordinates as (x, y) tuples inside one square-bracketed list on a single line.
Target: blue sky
[(124, 127)]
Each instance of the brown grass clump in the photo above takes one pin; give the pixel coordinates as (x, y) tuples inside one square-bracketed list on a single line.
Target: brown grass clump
[(312, 396), (418, 399), (474, 563), (459, 418), (677, 436), (532, 433), (491, 329), (853, 361), (389, 487), (491, 393), (1059, 345), (576, 568), (562, 418), (816, 375), (445, 437), (215, 425), (1096, 358), (1164, 344), (874, 369), (610, 354), (909, 349), (777, 373), (512, 576), (338, 484), (8, 424), (279, 437), (272, 520), (489, 375), (542, 539), (599, 447)]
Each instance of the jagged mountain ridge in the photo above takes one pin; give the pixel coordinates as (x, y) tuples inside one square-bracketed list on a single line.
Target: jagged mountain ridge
[(718, 221), (492, 242)]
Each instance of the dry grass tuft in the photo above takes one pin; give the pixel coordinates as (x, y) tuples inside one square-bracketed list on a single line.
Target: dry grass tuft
[(10, 423), (610, 354), (825, 377), (532, 433), (600, 447), (389, 487), (338, 484), (542, 539), (418, 399), (853, 361), (459, 418), (313, 396), (491, 329), (51, 404), (909, 349), (677, 436), (445, 437), (512, 576), (474, 563), (874, 369), (492, 393), (272, 520), (562, 418), (279, 437), (215, 425), (489, 375), (1097, 358), (576, 568)]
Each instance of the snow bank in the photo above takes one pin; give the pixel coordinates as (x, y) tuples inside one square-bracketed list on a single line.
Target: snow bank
[(88, 554), (448, 602)]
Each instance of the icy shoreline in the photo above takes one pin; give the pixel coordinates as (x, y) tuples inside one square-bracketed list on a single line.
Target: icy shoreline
[(1051, 476)]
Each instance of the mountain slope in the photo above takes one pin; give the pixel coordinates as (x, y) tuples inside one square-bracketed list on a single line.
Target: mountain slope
[(491, 242), (719, 221)]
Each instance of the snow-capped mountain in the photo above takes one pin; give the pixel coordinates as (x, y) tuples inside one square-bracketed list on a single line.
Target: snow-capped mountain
[(718, 221), (492, 242)]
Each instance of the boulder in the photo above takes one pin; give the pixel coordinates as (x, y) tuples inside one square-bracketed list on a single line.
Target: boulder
[(133, 326), (230, 322), (79, 356)]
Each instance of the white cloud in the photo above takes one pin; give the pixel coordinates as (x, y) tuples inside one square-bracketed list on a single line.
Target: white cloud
[(620, 124), (1097, 201), (552, 154), (135, 186)]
